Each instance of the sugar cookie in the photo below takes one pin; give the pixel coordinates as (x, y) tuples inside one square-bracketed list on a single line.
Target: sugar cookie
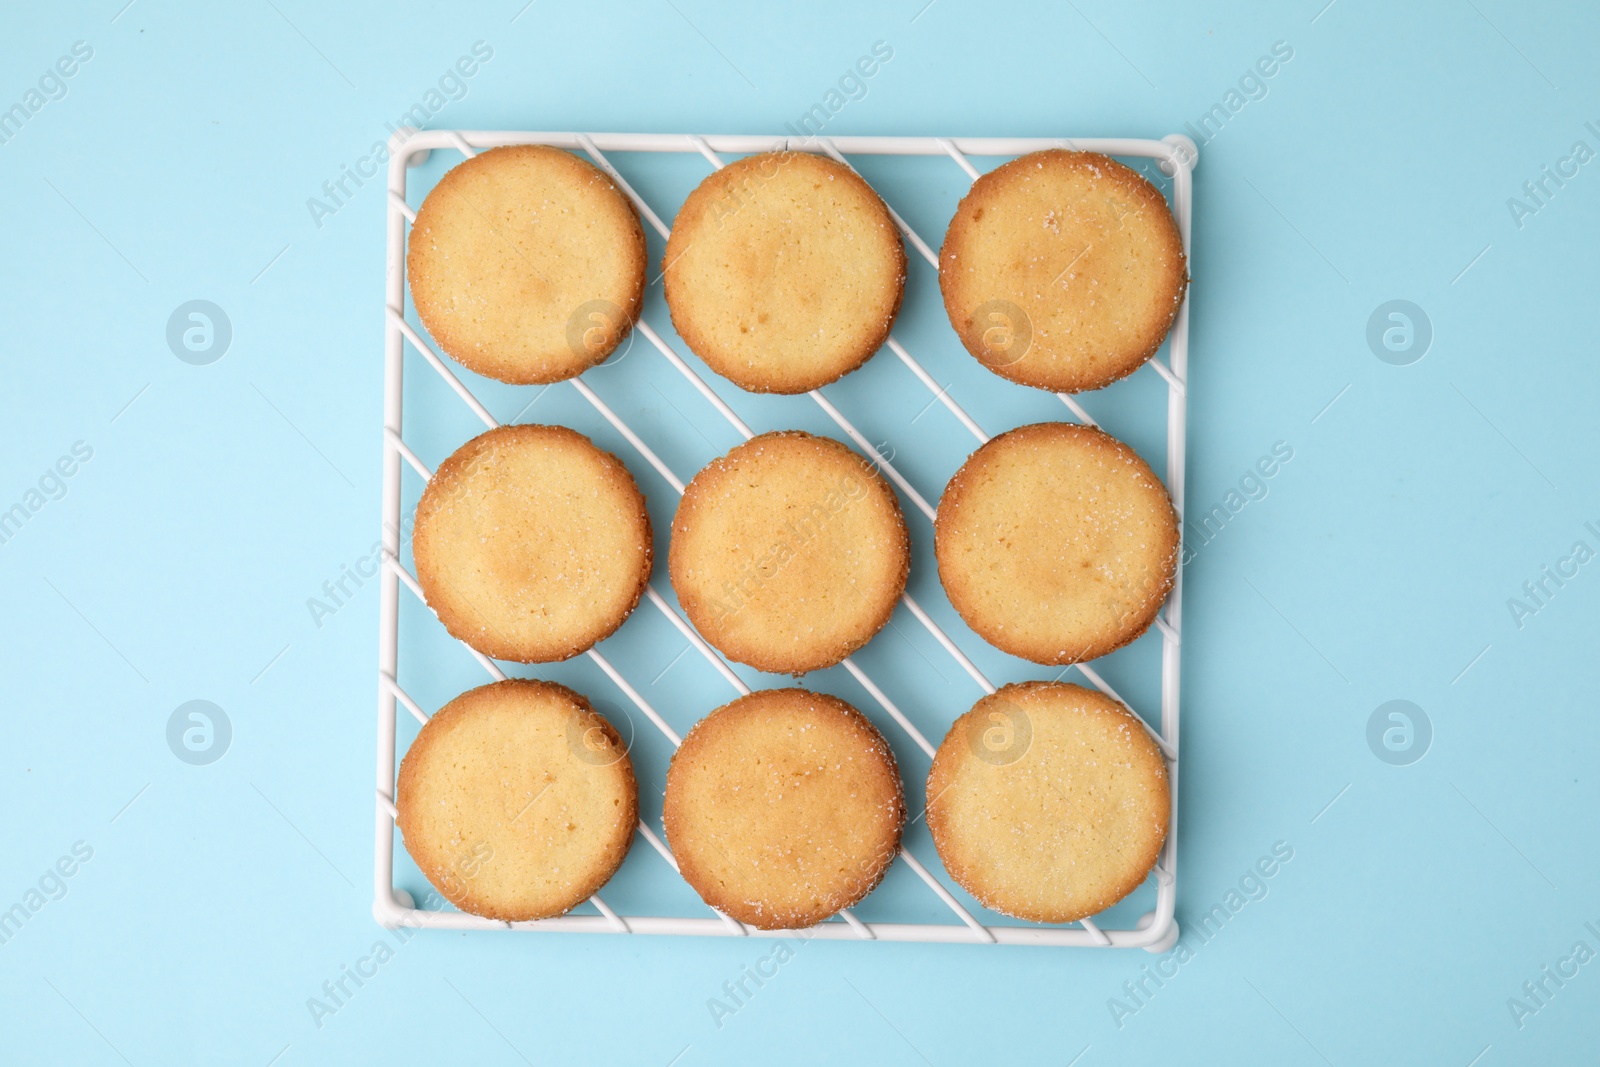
[(1062, 270), (532, 544), (527, 264), (783, 807), (1048, 802), (1056, 543), (517, 800), (784, 272), (789, 553)]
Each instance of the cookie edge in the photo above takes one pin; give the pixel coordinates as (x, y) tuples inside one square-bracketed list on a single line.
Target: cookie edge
[(712, 186), (417, 263), (691, 601), (794, 919), (962, 872), (1137, 624), (422, 553), (953, 293), (423, 742)]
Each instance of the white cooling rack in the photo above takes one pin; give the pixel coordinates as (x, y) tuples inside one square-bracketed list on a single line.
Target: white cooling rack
[(1156, 930)]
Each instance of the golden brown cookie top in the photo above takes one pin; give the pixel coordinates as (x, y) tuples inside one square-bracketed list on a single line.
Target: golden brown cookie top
[(1048, 802), (517, 800), (1056, 543), (527, 264), (789, 553), (784, 807), (1062, 270), (532, 544), (784, 272)]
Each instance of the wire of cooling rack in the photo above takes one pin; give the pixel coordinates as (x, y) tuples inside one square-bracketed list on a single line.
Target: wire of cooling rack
[(1155, 931)]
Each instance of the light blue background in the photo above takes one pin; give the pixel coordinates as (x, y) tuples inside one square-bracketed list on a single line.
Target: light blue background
[(177, 565)]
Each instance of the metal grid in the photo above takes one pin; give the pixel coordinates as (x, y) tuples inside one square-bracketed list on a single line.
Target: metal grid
[(1156, 930)]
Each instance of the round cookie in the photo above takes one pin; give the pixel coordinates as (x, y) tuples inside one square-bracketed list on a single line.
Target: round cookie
[(1056, 543), (789, 553), (1062, 270), (784, 272), (527, 264), (517, 800), (532, 544), (1048, 802), (784, 807)]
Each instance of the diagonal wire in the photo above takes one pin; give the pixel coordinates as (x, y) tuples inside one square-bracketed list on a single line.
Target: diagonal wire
[(888, 1023), (308, 41), (708, 41), (89, 1024), (1296, 229), (1514, 48), (303, 436), (303, 837), (96, 629), (1114, 48), (97, 232), (487, 1023), (1503, 837), (1291, 1025), (1503, 437), (1296, 629)]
